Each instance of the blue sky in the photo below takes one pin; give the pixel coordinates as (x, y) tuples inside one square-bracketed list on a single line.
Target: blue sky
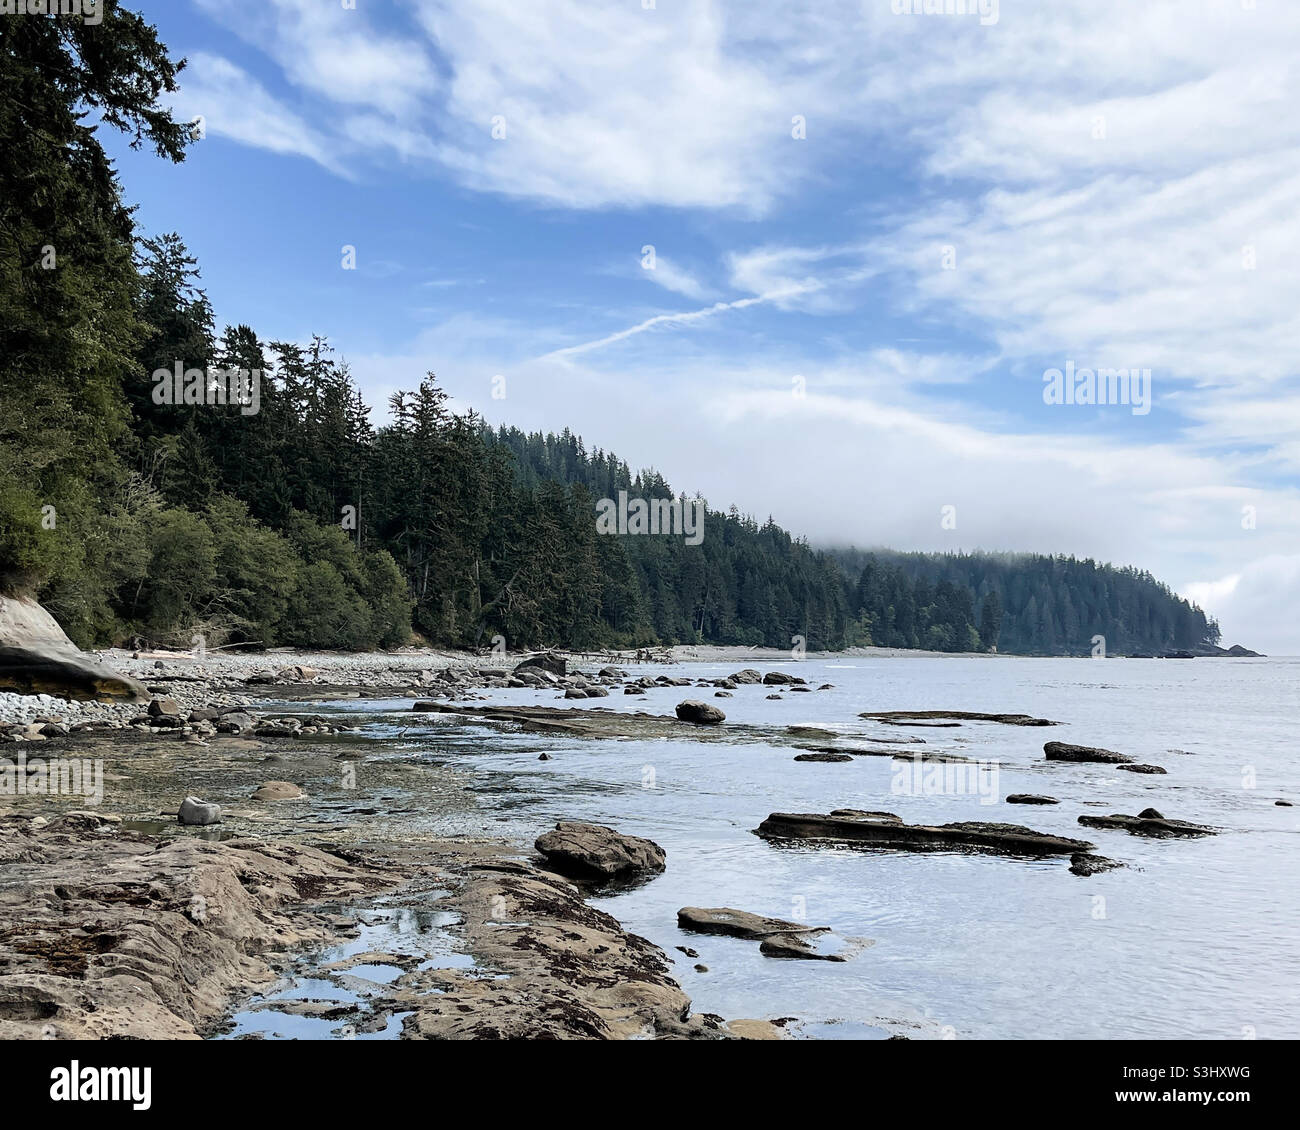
[(846, 329)]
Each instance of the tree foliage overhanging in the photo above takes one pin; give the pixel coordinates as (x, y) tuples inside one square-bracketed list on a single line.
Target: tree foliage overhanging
[(303, 525)]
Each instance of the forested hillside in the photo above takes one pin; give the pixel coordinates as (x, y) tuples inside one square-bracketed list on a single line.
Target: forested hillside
[(303, 523)]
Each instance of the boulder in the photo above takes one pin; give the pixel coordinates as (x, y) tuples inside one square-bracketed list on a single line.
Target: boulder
[(748, 675), (198, 812), (780, 679), (547, 661), (36, 657), (205, 714), (167, 706), (1064, 751), (593, 851), (692, 710), (236, 722)]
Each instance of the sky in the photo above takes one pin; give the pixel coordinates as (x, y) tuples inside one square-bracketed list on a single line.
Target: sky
[(813, 258)]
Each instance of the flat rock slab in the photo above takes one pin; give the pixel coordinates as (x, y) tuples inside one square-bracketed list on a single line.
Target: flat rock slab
[(594, 851), (796, 947), (1031, 798), (734, 923), (1064, 751), (1001, 839), (958, 716), (1148, 823), (824, 757)]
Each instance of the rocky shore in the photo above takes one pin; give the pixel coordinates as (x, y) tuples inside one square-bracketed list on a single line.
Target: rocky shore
[(245, 845)]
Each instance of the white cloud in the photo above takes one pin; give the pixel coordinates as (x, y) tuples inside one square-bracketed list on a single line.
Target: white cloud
[(233, 104), (669, 275)]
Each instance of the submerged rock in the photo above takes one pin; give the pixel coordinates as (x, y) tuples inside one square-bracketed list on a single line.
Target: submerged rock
[(959, 715), (1137, 768), (1064, 751), (692, 710), (1148, 822), (844, 827), (1031, 798), (278, 790), (593, 851), (1082, 863), (794, 946), (824, 757)]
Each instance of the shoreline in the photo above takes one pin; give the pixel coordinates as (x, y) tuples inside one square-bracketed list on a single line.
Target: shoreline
[(119, 922)]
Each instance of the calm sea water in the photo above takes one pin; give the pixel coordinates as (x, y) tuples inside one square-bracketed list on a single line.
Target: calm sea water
[(1193, 938)]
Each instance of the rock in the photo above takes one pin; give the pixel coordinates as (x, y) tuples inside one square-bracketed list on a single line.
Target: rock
[(748, 675), (106, 935), (167, 706), (297, 674), (236, 722), (634, 690), (692, 710), (1064, 751), (36, 657), (543, 757), (597, 692), (594, 851), (1149, 822), (575, 692), (1135, 768), (611, 673), (739, 923), (775, 696), (688, 951), (278, 790), (701, 969), (1031, 798), (838, 826), (823, 757), (959, 715), (722, 694), (1081, 863), (780, 679), (794, 946), (204, 714), (198, 812), (547, 661), (1283, 804)]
